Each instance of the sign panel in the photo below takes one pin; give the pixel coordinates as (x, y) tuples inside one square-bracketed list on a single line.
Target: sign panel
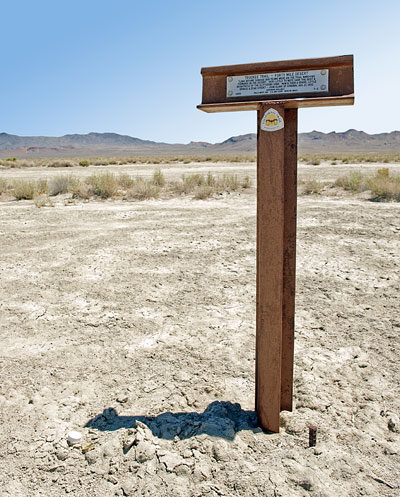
[(278, 83)]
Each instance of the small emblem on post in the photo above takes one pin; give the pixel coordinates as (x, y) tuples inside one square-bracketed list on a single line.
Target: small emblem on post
[(272, 121)]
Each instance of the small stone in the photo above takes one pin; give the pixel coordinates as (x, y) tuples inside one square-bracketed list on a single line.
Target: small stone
[(219, 451), (139, 436), (145, 451), (187, 453), (196, 453), (99, 469), (91, 456), (128, 443), (151, 468), (123, 399), (112, 479), (171, 460), (201, 472), (182, 470), (207, 447), (62, 454), (128, 487), (394, 423), (146, 430)]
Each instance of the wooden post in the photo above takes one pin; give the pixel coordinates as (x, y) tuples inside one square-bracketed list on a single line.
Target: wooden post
[(270, 235)]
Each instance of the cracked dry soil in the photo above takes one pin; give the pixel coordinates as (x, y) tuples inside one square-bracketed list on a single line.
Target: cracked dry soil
[(134, 323)]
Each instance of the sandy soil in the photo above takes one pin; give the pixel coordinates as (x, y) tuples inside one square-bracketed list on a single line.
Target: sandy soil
[(134, 323)]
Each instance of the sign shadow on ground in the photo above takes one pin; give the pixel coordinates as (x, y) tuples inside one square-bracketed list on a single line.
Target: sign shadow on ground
[(219, 419)]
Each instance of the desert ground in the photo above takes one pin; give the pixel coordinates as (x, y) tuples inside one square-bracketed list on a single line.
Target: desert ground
[(133, 322)]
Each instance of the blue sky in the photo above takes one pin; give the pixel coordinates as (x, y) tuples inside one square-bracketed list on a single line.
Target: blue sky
[(133, 67)]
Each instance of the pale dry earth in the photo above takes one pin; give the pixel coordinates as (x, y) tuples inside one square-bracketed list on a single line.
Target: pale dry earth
[(134, 323)]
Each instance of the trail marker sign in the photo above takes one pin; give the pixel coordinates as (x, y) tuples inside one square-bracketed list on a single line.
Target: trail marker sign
[(276, 90)]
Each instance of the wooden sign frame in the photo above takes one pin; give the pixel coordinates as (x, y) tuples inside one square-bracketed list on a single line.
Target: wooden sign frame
[(276, 207)]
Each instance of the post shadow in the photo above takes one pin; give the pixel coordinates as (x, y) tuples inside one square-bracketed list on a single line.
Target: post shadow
[(219, 419)]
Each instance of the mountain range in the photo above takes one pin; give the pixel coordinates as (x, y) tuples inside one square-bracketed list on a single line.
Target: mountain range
[(113, 144)]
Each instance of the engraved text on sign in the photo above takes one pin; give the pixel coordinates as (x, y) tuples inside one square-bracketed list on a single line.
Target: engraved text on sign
[(278, 83)]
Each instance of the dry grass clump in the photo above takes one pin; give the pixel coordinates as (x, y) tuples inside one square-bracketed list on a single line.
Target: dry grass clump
[(143, 190), (355, 182), (62, 184), (210, 180), (246, 183), (104, 185), (384, 186), (229, 182), (3, 185), (203, 192), (158, 178), (29, 189), (189, 183), (125, 181), (205, 186), (43, 201), (311, 186), (61, 163), (82, 191)]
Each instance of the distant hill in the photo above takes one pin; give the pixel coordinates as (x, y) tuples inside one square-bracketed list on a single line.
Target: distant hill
[(113, 144)]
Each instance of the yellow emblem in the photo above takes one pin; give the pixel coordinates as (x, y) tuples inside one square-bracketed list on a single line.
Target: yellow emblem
[(272, 121)]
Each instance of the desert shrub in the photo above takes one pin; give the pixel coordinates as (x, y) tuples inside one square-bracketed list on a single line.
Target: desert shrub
[(125, 181), (3, 185), (142, 190), (42, 186), (82, 190), (385, 187), (333, 163), (312, 186), (229, 182), (210, 180), (158, 178), (65, 163), (61, 184), (203, 192), (189, 183), (104, 185), (84, 163), (11, 159), (25, 189), (22, 163), (314, 162), (42, 201), (246, 183), (384, 172), (354, 182)]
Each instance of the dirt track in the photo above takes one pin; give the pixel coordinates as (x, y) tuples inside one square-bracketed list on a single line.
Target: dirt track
[(115, 312)]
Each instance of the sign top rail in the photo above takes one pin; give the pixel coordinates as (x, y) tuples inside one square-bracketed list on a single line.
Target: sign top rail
[(280, 65)]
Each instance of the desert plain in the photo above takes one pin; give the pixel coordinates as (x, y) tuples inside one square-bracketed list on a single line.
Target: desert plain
[(133, 322)]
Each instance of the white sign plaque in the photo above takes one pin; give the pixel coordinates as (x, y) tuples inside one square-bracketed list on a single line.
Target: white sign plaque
[(278, 83)]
